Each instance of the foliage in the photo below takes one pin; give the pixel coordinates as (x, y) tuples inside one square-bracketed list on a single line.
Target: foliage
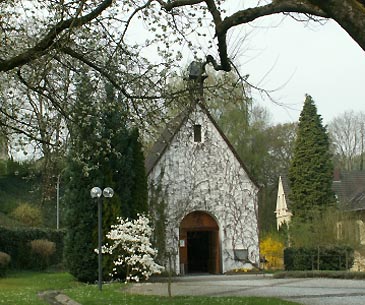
[(17, 243), (19, 184), (320, 258), (15, 168), (4, 262), (104, 151), (8, 222), (272, 250), (28, 215), (321, 231), (42, 249), (130, 242), (311, 169), (280, 147)]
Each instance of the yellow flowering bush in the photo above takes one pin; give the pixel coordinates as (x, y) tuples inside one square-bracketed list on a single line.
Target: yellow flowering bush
[(272, 253)]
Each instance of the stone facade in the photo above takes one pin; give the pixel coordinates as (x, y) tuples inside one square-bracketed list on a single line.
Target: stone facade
[(197, 170)]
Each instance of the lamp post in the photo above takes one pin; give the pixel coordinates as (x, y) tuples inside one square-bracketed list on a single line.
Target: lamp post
[(96, 193)]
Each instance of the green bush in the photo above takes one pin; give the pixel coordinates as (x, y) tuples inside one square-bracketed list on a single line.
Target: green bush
[(42, 251), (28, 215), (323, 274), (323, 258), (17, 243), (21, 169), (4, 263)]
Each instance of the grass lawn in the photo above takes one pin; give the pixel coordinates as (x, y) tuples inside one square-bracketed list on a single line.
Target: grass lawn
[(21, 289)]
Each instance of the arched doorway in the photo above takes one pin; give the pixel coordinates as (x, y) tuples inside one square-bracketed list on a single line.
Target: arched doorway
[(199, 244)]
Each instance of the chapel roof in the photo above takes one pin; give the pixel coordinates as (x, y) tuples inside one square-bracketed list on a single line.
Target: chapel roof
[(172, 128)]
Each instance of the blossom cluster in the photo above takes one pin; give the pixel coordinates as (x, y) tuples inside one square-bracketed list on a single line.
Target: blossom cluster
[(130, 245)]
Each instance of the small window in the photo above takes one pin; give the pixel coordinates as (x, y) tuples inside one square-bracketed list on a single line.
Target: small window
[(197, 133)]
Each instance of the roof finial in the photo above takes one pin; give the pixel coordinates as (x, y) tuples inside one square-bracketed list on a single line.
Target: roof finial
[(197, 74)]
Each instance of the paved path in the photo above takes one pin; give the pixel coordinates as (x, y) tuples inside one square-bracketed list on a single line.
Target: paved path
[(304, 291)]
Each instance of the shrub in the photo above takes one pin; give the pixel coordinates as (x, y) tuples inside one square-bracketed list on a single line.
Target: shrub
[(42, 250), (131, 249), (323, 274), (322, 258), (27, 214), (17, 243), (272, 250), (4, 262)]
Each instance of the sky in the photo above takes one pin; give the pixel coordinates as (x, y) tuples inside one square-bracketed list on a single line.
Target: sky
[(298, 58), (290, 59)]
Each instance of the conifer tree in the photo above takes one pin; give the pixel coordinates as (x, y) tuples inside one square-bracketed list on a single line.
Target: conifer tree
[(83, 172), (311, 169), (103, 152)]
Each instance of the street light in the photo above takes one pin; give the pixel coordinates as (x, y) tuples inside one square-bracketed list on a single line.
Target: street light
[(96, 193)]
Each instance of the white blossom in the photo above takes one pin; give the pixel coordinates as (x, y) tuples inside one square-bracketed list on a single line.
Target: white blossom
[(130, 242)]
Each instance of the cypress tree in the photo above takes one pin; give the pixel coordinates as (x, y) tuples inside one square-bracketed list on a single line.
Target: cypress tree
[(311, 169), (81, 212), (104, 152)]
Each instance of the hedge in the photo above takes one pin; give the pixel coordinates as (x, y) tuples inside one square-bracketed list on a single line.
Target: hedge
[(17, 243), (323, 258)]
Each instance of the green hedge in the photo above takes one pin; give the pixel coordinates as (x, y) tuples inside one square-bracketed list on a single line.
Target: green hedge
[(324, 258), (16, 242), (353, 275)]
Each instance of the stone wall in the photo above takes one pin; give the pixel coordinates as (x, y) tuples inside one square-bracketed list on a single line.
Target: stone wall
[(207, 176)]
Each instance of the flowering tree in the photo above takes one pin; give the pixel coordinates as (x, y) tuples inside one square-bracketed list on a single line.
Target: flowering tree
[(130, 243)]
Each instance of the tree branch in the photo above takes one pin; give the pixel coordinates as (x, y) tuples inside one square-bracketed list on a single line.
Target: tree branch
[(49, 41), (104, 73), (170, 5), (244, 16), (349, 14)]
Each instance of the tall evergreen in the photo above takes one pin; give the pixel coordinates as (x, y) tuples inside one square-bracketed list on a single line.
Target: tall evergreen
[(81, 212), (103, 152), (311, 169)]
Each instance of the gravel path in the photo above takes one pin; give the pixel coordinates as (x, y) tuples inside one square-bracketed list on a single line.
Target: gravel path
[(317, 291)]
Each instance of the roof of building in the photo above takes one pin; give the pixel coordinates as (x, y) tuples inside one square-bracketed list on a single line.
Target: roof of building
[(349, 188), (172, 128)]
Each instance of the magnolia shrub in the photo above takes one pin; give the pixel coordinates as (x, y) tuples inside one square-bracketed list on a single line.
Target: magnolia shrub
[(130, 244)]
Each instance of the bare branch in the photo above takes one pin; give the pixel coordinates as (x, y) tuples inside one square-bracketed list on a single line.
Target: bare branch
[(243, 17), (105, 73), (50, 40), (41, 92), (170, 5)]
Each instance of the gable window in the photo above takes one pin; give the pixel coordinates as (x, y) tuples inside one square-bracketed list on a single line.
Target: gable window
[(197, 133)]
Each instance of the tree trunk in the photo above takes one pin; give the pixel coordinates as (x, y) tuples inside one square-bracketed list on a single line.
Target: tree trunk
[(349, 14)]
